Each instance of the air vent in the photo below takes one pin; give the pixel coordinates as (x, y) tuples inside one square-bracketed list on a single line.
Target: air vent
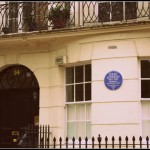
[(112, 47)]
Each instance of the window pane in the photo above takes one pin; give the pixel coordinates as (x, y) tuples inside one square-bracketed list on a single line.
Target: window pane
[(70, 112), (70, 75), (145, 110), (88, 111), (87, 91), (79, 92), (88, 129), (70, 93), (145, 69), (70, 129), (80, 129), (78, 74), (88, 72), (145, 88), (80, 109)]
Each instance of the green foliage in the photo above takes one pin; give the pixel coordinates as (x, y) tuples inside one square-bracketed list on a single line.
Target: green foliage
[(59, 13), (30, 19)]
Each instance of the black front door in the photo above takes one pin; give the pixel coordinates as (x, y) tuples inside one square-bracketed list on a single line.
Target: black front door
[(18, 106)]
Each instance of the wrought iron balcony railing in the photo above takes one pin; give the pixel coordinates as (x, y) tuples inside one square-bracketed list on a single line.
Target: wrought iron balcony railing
[(18, 17)]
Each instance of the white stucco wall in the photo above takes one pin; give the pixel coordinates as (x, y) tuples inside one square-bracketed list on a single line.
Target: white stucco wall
[(114, 113)]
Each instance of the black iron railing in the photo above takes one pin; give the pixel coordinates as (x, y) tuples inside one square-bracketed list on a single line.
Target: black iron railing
[(34, 137), (34, 16), (99, 142), (42, 137)]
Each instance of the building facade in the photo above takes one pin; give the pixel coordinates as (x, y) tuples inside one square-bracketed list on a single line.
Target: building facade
[(90, 77)]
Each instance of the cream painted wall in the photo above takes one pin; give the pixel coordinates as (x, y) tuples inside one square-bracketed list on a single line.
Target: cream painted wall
[(127, 92), (113, 112), (143, 46), (123, 48), (126, 65)]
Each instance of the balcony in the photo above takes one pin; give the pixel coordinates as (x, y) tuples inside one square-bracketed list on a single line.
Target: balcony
[(20, 17)]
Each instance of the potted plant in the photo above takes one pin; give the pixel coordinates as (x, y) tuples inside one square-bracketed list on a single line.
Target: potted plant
[(5, 30), (59, 16), (30, 21)]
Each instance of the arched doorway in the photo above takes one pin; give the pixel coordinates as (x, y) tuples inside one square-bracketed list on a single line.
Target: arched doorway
[(19, 102)]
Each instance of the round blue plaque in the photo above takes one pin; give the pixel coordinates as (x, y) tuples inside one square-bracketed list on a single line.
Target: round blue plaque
[(113, 80)]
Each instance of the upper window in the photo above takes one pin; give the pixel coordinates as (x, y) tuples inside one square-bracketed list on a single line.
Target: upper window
[(145, 79), (145, 95), (114, 11), (78, 83)]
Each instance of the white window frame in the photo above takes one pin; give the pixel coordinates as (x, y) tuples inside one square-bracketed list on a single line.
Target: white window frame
[(77, 102), (146, 99), (142, 99)]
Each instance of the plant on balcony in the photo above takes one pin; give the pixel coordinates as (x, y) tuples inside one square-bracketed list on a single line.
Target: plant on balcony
[(59, 16), (31, 23), (5, 30)]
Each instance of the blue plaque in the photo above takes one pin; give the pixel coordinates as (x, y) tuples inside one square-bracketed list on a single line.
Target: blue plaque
[(113, 80)]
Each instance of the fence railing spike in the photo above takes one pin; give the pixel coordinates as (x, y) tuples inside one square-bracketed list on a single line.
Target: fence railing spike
[(140, 139), (133, 139), (99, 141), (73, 140), (120, 139), (54, 140), (106, 140), (86, 142), (126, 139), (80, 142), (113, 139), (147, 141), (60, 142), (66, 142), (93, 139)]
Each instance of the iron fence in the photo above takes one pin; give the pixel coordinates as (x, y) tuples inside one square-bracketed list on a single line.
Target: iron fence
[(41, 137), (99, 144), (34, 16)]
